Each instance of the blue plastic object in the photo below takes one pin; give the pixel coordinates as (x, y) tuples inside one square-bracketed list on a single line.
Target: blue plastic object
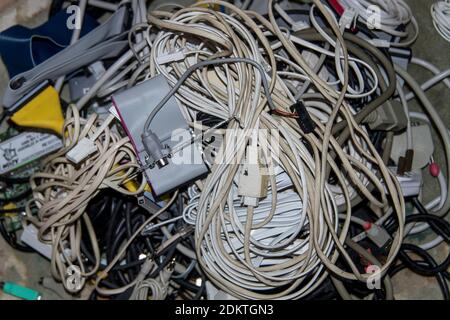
[(23, 48)]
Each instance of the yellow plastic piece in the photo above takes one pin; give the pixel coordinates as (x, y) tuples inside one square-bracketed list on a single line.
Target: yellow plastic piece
[(133, 186), (42, 112), (10, 206)]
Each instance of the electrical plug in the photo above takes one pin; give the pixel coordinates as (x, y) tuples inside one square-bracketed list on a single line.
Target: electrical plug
[(253, 182)]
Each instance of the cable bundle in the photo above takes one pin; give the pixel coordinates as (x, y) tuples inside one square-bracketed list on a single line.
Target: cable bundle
[(302, 198), (62, 191), (389, 16), (440, 11), (241, 250)]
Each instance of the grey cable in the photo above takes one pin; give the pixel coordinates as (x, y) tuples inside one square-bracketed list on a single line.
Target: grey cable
[(437, 121), (205, 64)]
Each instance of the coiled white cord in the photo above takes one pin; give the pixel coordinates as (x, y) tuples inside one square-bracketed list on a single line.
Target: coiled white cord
[(387, 16), (440, 11)]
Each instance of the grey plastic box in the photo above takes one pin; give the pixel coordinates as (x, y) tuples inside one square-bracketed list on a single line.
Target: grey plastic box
[(134, 106)]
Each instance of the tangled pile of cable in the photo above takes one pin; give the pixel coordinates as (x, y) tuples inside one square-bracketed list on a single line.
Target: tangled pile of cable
[(389, 16), (298, 162), (63, 191), (285, 247)]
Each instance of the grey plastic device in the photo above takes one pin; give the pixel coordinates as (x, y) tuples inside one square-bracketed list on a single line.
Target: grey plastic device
[(80, 85), (134, 106), (388, 117)]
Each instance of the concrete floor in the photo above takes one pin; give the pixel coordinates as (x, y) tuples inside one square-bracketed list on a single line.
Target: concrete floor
[(28, 269)]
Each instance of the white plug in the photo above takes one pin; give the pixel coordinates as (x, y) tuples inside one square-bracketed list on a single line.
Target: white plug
[(253, 182), (348, 18), (299, 26), (171, 57), (411, 183), (84, 148)]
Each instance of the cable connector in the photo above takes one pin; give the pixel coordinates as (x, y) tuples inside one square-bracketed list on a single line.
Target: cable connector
[(377, 234), (154, 148), (380, 43), (82, 150), (253, 182), (348, 19), (171, 57), (86, 146), (299, 26), (304, 119), (411, 182), (97, 69)]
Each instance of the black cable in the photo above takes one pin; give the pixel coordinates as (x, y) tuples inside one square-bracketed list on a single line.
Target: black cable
[(431, 269), (427, 263), (426, 267), (120, 217), (439, 226), (132, 253), (109, 234)]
